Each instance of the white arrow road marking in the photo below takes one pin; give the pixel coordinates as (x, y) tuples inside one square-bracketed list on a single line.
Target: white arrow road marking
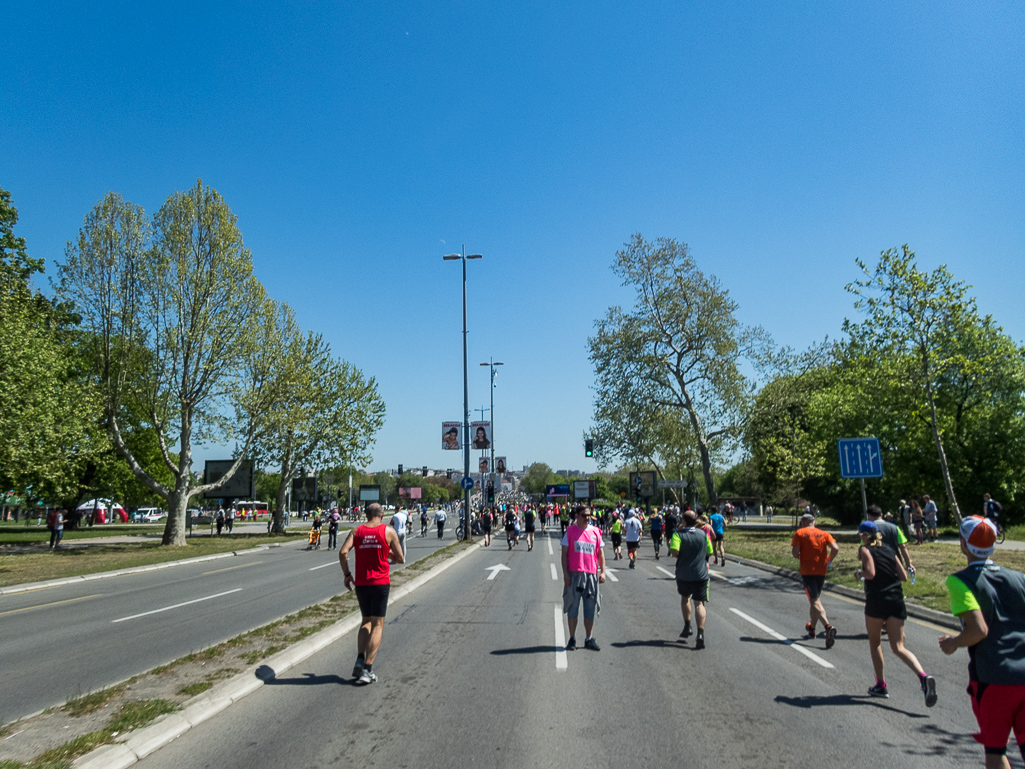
[(177, 605), (495, 569), (783, 639), (612, 574), (555, 573), (561, 660)]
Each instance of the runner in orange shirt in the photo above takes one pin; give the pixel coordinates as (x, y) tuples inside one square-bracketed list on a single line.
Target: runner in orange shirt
[(815, 549)]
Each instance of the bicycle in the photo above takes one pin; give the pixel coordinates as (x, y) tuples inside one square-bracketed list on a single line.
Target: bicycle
[(1001, 534)]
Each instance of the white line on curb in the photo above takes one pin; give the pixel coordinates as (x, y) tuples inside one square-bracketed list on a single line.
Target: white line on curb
[(177, 605), (783, 639), (561, 660)]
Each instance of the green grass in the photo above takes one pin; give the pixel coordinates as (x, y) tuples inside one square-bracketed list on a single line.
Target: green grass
[(22, 534), (20, 568), (191, 690), (933, 562), (90, 703)]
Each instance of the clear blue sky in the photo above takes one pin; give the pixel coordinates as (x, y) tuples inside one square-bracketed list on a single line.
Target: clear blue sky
[(359, 142)]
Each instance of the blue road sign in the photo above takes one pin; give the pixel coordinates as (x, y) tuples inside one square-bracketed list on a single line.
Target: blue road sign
[(860, 458), (466, 483)]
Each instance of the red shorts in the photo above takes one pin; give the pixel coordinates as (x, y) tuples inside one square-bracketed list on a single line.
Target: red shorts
[(999, 709)]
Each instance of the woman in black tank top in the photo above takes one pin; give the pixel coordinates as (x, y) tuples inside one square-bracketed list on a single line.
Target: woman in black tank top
[(883, 574)]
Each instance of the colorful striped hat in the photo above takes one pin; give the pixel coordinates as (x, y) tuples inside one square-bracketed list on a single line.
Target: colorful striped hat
[(980, 535)]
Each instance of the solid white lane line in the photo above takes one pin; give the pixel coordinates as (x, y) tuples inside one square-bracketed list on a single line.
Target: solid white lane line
[(325, 565), (611, 573), (666, 572), (550, 551), (561, 659), (177, 605), (783, 639), (555, 573)]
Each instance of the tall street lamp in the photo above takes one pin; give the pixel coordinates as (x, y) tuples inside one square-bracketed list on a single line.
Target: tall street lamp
[(466, 396), (492, 363)]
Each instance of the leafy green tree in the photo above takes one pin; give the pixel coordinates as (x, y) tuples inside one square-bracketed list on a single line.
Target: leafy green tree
[(538, 476), (674, 359), (181, 327), (925, 319)]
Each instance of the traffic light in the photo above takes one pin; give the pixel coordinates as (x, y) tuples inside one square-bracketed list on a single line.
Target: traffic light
[(491, 493), (588, 448), (400, 469), (448, 474), (425, 471)]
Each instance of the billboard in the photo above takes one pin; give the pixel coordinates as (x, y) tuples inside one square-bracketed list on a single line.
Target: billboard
[(369, 493), (416, 492), (557, 490), (304, 489), (500, 465), (480, 433), (451, 435), (241, 484), (584, 490), (643, 484)]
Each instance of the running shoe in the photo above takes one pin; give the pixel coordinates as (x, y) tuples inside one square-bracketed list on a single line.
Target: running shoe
[(590, 643), (699, 642), (686, 631), (367, 677), (830, 637), (929, 690), (809, 629), (572, 645), (879, 690), (632, 564), (357, 669)]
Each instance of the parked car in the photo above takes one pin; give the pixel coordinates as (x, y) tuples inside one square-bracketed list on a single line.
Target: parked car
[(149, 514)]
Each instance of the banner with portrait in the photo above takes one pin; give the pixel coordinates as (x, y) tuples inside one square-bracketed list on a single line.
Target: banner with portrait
[(500, 465), (480, 435), (452, 435)]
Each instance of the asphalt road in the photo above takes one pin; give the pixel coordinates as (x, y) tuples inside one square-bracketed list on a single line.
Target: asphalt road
[(472, 673), (65, 641)]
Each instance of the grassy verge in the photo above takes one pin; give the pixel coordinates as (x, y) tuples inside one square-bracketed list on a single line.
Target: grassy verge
[(933, 562), (19, 568), (22, 534)]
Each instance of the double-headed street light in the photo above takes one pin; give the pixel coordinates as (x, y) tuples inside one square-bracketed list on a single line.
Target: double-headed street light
[(492, 363), (466, 396)]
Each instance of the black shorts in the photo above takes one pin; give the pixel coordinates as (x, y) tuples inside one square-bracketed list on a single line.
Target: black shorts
[(617, 539), (486, 528), (813, 584), (697, 589), (510, 530), (879, 607), (631, 546), (529, 529), (656, 536), (373, 599), (719, 537)]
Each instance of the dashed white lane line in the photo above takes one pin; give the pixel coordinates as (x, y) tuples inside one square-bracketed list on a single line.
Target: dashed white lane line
[(667, 572), (177, 605), (782, 639), (561, 659), (555, 573), (550, 551), (324, 565)]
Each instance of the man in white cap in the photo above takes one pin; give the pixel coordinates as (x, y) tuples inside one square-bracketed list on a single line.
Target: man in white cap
[(990, 602)]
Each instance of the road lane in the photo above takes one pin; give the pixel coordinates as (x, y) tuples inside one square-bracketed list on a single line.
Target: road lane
[(470, 675)]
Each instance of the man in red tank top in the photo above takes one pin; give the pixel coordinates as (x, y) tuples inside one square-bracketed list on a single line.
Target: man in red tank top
[(375, 545)]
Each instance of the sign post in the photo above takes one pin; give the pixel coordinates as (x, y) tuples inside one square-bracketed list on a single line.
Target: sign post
[(860, 458)]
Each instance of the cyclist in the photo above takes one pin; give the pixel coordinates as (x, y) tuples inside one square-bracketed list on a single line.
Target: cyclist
[(991, 509)]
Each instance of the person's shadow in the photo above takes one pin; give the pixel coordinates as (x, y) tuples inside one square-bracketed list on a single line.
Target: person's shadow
[(266, 674), (812, 701)]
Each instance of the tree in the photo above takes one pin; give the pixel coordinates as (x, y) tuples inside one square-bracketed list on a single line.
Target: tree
[(669, 370), (180, 325), (327, 412), (923, 318)]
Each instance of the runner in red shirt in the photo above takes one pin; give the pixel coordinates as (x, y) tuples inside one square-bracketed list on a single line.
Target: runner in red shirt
[(375, 545)]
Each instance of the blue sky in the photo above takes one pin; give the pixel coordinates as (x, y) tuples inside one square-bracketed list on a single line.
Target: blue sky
[(359, 142)]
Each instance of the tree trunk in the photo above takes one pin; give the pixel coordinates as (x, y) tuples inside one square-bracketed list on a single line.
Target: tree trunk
[(177, 502), (943, 455)]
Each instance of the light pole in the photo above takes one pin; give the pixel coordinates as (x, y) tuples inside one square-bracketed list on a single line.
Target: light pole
[(466, 396), (491, 364)]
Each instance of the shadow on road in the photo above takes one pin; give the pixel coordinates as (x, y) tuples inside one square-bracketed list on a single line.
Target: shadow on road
[(812, 701), (526, 650), (308, 679), (658, 644)]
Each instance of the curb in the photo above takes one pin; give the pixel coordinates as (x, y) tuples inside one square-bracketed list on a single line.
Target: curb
[(211, 702), (918, 612), (134, 570)]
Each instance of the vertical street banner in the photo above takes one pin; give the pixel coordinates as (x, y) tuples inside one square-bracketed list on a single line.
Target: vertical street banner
[(500, 465), (480, 435), (483, 466), (452, 435)]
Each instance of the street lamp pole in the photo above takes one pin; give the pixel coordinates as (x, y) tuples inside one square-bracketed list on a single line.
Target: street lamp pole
[(491, 364), (466, 396)]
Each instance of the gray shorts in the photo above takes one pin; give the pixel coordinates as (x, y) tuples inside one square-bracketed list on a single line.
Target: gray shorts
[(573, 607)]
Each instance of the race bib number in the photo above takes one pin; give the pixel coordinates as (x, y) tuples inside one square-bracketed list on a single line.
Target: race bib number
[(584, 547)]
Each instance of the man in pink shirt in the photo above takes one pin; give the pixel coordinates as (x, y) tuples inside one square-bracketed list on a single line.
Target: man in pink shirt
[(583, 569)]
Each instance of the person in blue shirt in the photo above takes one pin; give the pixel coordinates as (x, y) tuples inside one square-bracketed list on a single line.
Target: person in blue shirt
[(719, 530)]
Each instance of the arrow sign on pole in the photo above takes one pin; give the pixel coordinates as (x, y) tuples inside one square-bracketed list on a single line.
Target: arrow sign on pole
[(495, 569)]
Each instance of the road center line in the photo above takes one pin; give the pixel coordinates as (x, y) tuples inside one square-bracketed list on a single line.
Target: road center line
[(555, 573), (324, 566), (229, 568), (550, 551), (44, 605), (177, 605), (666, 572), (561, 660), (782, 639)]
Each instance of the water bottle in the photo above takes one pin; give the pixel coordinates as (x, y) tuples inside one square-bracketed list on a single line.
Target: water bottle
[(911, 571)]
